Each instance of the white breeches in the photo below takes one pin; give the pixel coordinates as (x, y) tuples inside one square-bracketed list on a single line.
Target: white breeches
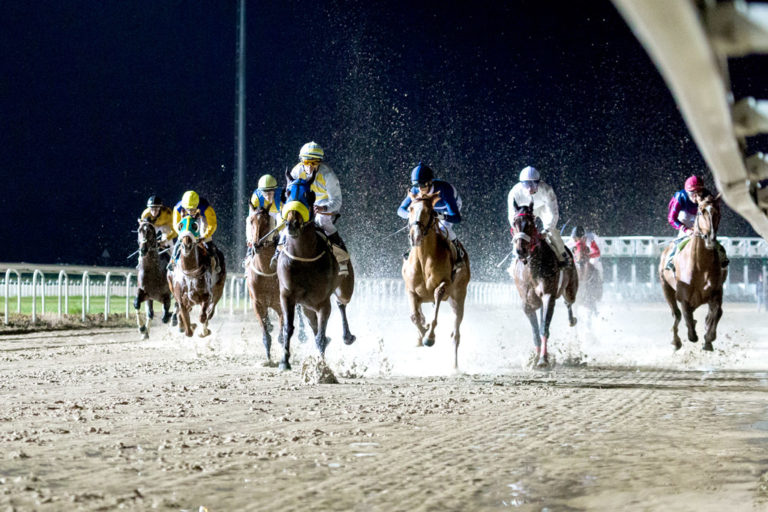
[(325, 222), (446, 228), (555, 242)]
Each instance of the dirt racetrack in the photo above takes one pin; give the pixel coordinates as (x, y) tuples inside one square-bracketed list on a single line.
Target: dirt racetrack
[(100, 420)]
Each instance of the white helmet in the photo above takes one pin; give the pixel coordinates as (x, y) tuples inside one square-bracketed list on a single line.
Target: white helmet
[(529, 174)]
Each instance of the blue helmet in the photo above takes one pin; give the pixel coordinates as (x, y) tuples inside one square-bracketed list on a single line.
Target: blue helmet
[(421, 174)]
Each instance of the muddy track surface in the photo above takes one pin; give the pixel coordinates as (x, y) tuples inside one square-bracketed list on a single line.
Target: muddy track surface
[(98, 420)]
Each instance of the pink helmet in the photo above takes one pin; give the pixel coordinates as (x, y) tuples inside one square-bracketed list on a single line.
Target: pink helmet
[(693, 184)]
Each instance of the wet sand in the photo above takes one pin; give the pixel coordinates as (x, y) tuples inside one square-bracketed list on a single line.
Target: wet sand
[(99, 420)]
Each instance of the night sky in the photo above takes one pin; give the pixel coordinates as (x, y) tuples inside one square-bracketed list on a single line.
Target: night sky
[(105, 103)]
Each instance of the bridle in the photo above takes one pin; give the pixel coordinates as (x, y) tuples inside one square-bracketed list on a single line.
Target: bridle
[(520, 235), (423, 227), (146, 242), (709, 237)]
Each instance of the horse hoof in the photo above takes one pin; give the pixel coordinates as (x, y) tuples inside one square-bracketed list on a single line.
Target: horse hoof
[(174, 321), (693, 339), (189, 334), (205, 333), (708, 346), (677, 344), (145, 336), (428, 341), (543, 362), (573, 322), (348, 340), (285, 366), (166, 319)]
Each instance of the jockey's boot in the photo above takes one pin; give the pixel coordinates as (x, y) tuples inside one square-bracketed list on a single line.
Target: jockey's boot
[(213, 252), (340, 253), (460, 254)]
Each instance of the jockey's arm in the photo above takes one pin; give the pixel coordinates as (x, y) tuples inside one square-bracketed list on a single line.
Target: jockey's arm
[(176, 220), (402, 210), (165, 224), (332, 187), (451, 204), (549, 211), (210, 223), (674, 213), (594, 250), (513, 198), (145, 215)]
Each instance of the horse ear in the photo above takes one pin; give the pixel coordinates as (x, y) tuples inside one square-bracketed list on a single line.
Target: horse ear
[(516, 206)]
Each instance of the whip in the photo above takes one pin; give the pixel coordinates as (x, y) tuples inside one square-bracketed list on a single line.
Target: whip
[(499, 264)]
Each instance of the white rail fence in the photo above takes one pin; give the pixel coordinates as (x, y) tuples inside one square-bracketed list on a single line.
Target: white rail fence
[(629, 265)]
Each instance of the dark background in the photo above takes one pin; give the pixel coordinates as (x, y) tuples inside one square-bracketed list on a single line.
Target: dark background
[(105, 103)]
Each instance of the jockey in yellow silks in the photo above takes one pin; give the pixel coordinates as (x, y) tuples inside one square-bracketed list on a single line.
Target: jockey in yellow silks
[(529, 190), (159, 215), (267, 196), (192, 205), (327, 197)]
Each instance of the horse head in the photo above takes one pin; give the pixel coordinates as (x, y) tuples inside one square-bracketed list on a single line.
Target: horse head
[(707, 220), (526, 236), (298, 209), (261, 224), (421, 216), (147, 237), (189, 233)]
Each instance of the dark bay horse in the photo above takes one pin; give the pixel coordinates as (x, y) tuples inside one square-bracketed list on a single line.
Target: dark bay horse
[(428, 272), (539, 281), (262, 283), (152, 281), (590, 280), (308, 273), (193, 280), (698, 277)]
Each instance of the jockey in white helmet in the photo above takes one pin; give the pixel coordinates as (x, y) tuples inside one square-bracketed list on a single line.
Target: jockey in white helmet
[(532, 189), (327, 197)]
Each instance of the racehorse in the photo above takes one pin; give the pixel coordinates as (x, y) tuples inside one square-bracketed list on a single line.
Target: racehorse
[(193, 280), (590, 281), (428, 272), (697, 277), (539, 281), (260, 279), (308, 273), (152, 280)]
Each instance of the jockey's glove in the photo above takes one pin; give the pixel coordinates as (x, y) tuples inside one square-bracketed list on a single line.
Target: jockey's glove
[(441, 216)]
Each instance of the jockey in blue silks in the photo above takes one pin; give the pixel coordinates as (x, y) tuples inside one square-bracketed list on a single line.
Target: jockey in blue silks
[(448, 207), (269, 197)]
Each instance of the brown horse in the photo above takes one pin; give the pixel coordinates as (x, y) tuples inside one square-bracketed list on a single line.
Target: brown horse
[(698, 277), (309, 274), (428, 272), (260, 279), (193, 280), (539, 280), (152, 279), (590, 280)]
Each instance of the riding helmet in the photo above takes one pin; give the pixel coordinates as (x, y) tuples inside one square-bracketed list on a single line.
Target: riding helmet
[(421, 174), (154, 201), (693, 184), (577, 232), (311, 151), (267, 183), (529, 174), (190, 200)]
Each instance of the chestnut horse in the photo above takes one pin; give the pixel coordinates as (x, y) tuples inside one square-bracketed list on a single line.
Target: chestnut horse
[(308, 273), (193, 281), (698, 277), (152, 281), (590, 280), (428, 272), (539, 280), (260, 279)]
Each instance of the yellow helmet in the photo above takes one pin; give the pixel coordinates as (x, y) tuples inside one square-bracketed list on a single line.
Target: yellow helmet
[(267, 183), (190, 200), (311, 151)]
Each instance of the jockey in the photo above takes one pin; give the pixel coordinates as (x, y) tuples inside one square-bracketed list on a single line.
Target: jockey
[(198, 208), (327, 197), (682, 215), (448, 208), (268, 196), (586, 241), (529, 190), (159, 215)]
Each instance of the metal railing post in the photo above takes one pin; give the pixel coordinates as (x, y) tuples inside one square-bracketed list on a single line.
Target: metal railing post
[(35, 274), (63, 280), (127, 276), (85, 292), (7, 292), (107, 289)]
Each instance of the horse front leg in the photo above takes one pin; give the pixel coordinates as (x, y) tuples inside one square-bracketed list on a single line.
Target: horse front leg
[(416, 315), (669, 294), (349, 338), (140, 297), (186, 322), (548, 309), (689, 321), (301, 314), (166, 308), (260, 308), (323, 314), (457, 304), (204, 317), (429, 338), (289, 310), (713, 317), (530, 312)]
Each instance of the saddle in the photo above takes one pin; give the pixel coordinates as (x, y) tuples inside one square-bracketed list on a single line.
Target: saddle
[(677, 246)]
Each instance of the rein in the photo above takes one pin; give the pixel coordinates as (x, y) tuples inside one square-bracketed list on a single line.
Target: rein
[(299, 258)]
